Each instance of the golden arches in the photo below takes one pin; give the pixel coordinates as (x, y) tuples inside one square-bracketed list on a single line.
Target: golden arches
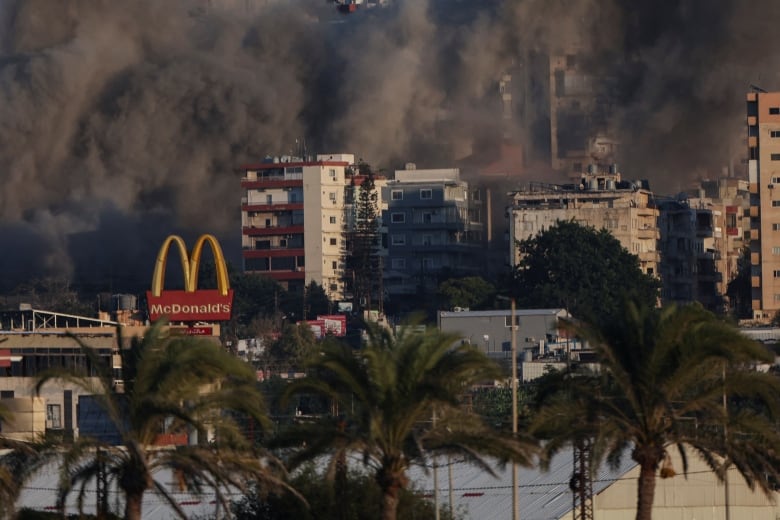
[(190, 264)]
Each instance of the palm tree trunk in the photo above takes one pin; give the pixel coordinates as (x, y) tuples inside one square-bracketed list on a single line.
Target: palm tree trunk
[(645, 491), (133, 502), (391, 482), (390, 497)]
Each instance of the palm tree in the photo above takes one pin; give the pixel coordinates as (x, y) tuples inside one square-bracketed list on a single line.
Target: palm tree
[(386, 394), (172, 384), (666, 380)]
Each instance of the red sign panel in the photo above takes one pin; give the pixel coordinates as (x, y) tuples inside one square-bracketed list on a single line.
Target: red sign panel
[(333, 324), (202, 305)]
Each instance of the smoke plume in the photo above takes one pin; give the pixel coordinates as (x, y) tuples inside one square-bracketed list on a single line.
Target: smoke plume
[(121, 122)]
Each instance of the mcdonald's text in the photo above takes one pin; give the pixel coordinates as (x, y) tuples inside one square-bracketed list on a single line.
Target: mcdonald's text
[(201, 305)]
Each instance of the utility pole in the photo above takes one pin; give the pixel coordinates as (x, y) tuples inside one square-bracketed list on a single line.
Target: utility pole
[(515, 500)]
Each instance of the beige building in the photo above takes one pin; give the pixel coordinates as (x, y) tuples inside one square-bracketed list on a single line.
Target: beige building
[(600, 200), (293, 217), (763, 120)]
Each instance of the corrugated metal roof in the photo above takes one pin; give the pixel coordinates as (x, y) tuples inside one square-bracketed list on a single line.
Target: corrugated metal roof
[(41, 494), (544, 495)]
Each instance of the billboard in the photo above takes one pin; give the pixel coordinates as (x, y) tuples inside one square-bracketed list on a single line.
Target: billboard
[(333, 324), (191, 304)]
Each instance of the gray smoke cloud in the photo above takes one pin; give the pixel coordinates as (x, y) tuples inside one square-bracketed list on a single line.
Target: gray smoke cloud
[(121, 122)]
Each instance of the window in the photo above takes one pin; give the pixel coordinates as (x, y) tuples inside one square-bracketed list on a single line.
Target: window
[(332, 220), (426, 240), (334, 287), (398, 218), (774, 134), (332, 173), (398, 240), (775, 227), (775, 156), (776, 203), (508, 321), (776, 250), (334, 264), (426, 194), (53, 416), (775, 180), (777, 297), (333, 241), (396, 195), (398, 263), (269, 199), (774, 111), (332, 196), (776, 273), (294, 169)]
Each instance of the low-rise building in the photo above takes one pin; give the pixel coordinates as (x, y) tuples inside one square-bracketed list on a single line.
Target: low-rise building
[(600, 200)]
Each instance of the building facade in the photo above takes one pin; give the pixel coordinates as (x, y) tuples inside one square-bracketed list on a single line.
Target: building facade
[(763, 121), (293, 218), (435, 227), (600, 200)]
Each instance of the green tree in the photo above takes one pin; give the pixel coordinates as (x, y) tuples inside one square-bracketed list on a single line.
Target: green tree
[(163, 393), (669, 379), (386, 394), (362, 255), (317, 302), (583, 270), (295, 344), (473, 292), (361, 501)]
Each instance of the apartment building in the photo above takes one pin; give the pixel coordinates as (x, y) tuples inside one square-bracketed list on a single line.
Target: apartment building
[(763, 122), (600, 200), (692, 247), (434, 223), (293, 217), (703, 234)]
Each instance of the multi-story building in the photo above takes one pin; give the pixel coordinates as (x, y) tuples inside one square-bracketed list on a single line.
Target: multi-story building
[(692, 263), (293, 218), (763, 121), (600, 200), (434, 226)]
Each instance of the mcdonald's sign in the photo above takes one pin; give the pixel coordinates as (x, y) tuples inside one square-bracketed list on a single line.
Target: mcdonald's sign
[(190, 304)]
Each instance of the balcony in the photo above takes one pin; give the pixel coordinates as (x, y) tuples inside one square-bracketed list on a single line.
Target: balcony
[(273, 230), (273, 207), (272, 253)]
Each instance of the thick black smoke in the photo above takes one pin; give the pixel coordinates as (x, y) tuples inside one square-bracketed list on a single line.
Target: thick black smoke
[(121, 122)]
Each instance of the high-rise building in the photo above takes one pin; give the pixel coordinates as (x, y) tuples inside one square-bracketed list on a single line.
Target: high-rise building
[(763, 121), (293, 218)]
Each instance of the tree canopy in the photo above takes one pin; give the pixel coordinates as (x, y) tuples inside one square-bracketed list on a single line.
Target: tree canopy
[(387, 393), (672, 378), (164, 378), (473, 292), (581, 269)]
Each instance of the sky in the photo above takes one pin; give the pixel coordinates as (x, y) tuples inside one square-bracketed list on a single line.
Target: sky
[(123, 122)]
